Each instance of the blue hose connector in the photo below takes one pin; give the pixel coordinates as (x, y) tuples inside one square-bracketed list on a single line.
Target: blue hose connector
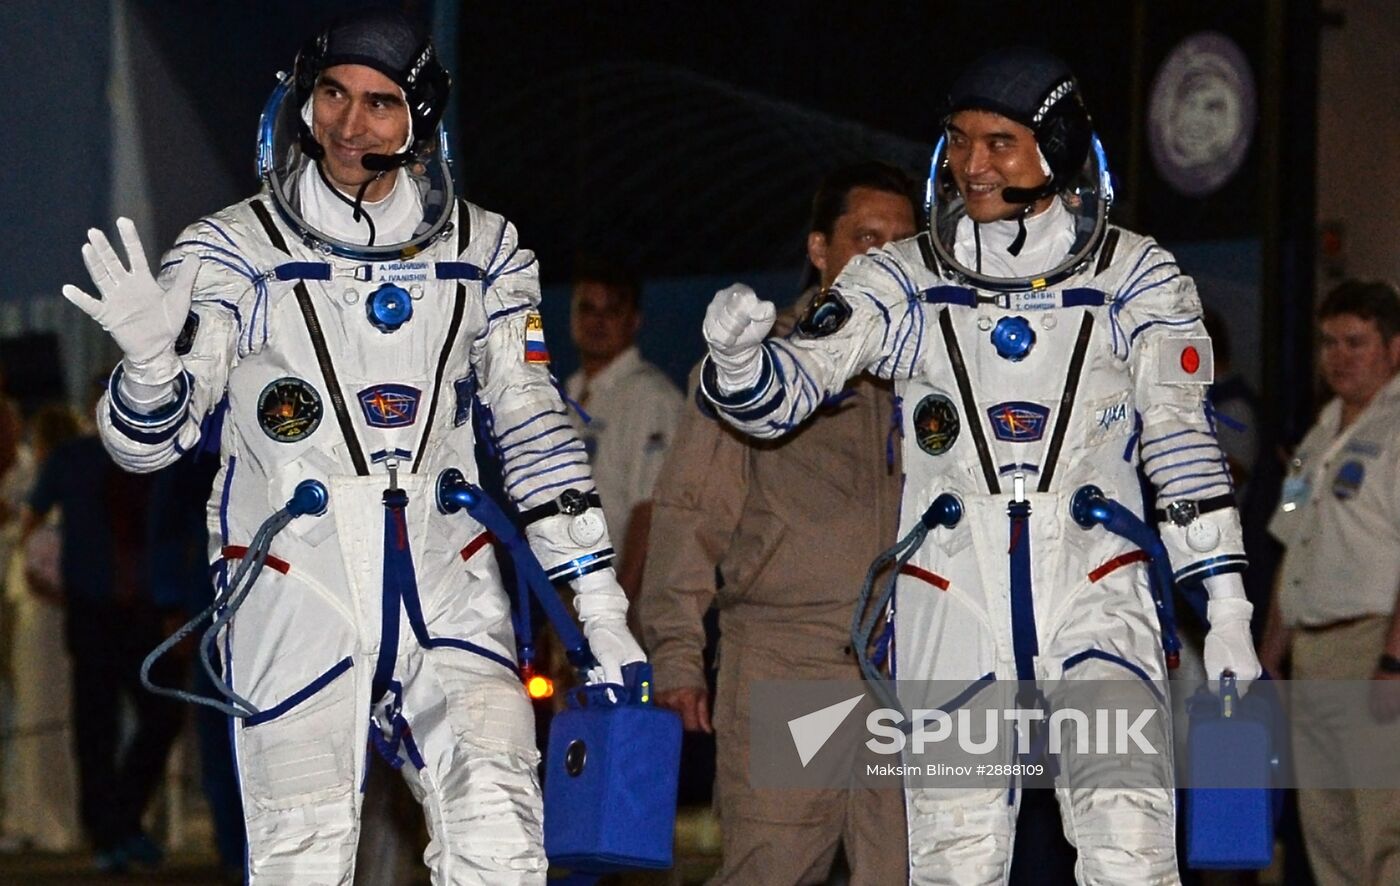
[(1089, 508), (946, 511), (310, 497), (454, 493)]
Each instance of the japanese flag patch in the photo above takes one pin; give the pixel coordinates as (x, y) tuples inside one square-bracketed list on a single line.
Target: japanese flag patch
[(1186, 360), (535, 350)]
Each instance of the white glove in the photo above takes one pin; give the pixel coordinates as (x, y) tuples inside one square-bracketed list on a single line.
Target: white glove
[(1229, 645), (736, 322), (143, 318), (602, 607)]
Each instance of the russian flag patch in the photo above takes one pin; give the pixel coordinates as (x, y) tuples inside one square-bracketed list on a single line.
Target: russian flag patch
[(535, 350)]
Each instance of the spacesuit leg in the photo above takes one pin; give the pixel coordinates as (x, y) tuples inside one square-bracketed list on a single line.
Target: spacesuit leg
[(1123, 834), (473, 765), (949, 635), (1122, 821), (960, 836), (299, 766)]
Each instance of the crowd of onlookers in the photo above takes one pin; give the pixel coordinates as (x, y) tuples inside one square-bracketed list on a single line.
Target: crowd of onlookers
[(98, 565)]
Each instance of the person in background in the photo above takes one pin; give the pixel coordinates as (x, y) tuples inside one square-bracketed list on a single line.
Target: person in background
[(789, 527), (1336, 612), (631, 406), (105, 555)]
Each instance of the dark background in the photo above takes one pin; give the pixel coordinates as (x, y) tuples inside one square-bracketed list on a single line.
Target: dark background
[(683, 139)]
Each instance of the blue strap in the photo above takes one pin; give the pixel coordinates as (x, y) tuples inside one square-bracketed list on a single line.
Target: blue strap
[(896, 428), (528, 569), (1125, 524), (1082, 298), (458, 270), (400, 739), (521, 620), (1023, 639), (950, 295), (398, 572), (572, 403), (302, 270), (301, 694), (1216, 415)]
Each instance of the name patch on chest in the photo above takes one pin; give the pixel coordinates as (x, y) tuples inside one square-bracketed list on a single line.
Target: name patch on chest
[(1018, 421), (390, 406), (402, 272)]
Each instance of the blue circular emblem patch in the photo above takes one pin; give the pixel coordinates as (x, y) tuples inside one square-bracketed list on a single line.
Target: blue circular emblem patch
[(1348, 480), (936, 424)]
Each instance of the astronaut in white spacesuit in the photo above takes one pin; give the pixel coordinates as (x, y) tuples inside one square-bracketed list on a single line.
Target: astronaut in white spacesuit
[(343, 322), (1037, 350)]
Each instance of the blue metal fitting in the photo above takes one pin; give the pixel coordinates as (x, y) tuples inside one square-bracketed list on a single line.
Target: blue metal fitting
[(1013, 338), (1089, 507), (389, 307), (454, 492), (310, 497), (946, 511)]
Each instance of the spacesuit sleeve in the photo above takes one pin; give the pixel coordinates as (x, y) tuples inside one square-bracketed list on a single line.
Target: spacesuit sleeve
[(541, 455), (871, 319), (225, 286), (1157, 321), (696, 504)]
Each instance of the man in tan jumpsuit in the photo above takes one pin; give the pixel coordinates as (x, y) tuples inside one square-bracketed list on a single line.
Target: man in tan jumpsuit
[(791, 526)]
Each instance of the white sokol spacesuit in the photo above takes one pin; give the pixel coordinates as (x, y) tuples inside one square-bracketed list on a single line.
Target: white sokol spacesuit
[(1032, 357), (358, 366)]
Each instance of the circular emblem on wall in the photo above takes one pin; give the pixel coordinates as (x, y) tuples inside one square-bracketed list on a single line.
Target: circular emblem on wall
[(1201, 114), (936, 424), (289, 409)]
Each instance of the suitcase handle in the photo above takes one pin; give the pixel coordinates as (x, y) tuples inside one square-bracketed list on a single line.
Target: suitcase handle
[(635, 689)]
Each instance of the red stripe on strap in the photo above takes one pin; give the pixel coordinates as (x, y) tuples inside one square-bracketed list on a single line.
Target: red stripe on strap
[(238, 552), (932, 578), (477, 544), (1118, 562)]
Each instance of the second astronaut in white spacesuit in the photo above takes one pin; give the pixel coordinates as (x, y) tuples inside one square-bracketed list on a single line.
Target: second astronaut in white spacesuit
[(1036, 350), (343, 322)]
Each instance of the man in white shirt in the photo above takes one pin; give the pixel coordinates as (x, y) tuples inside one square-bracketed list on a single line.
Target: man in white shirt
[(1335, 614), (632, 407)]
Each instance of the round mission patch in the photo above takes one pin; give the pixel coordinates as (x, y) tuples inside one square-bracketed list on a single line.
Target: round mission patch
[(289, 410), (936, 424)]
